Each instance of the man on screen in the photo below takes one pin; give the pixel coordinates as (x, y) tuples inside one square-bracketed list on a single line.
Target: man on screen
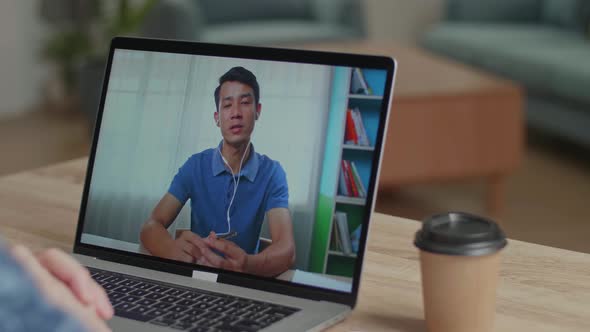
[(231, 188)]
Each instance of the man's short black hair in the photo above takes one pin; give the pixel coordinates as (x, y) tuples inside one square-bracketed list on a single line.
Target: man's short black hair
[(242, 75)]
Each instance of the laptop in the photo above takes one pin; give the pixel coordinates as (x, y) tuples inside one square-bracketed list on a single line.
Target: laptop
[(230, 188)]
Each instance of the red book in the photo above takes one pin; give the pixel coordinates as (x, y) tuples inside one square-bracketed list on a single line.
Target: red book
[(351, 135), (346, 178), (354, 190)]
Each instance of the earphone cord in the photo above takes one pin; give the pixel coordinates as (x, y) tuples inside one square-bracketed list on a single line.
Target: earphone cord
[(236, 184)]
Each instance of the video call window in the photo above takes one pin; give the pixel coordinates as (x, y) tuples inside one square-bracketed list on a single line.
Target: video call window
[(175, 128)]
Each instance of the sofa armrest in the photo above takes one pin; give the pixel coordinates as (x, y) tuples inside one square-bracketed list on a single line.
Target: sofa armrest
[(174, 19), (493, 10), (348, 13)]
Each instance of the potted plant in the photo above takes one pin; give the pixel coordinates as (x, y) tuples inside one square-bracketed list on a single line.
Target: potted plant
[(80, 44), (126, 20)]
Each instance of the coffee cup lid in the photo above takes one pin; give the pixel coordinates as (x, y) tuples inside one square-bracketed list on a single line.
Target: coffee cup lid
[(460, 233)]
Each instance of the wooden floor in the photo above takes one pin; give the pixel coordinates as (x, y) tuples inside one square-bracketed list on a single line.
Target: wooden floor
[(548, 198)]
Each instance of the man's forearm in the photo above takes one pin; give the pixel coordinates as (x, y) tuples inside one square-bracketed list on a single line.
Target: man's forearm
[(155, 238), (274, 260)]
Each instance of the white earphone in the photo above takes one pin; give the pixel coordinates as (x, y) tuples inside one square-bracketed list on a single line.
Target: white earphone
[(236, 183)]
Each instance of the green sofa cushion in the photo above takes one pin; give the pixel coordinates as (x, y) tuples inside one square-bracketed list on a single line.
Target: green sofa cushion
[(542, 58), (494, 10), (230, 11), (275, 32), (563, 13)]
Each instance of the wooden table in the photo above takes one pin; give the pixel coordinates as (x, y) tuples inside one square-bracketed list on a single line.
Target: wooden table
[(448, 121), (541, 288)]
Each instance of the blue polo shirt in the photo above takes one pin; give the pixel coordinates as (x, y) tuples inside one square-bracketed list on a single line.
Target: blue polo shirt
[(205, 179)]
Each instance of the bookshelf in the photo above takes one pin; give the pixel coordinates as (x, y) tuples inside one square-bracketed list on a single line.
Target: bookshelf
[(365, 97), (358, 147), (350, 200), (340, 253), (326, 256)]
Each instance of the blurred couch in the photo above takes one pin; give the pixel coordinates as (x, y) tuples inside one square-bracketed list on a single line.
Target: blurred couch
[(256, 22), (542, 44), (246, 22)]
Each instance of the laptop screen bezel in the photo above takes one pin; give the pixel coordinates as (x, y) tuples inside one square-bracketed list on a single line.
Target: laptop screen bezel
[(257, 53)]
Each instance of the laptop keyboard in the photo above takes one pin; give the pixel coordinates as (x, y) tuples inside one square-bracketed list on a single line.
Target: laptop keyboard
[(184, 308)]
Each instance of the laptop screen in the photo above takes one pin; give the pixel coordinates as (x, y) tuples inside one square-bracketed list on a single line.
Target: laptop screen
[(255, 166)]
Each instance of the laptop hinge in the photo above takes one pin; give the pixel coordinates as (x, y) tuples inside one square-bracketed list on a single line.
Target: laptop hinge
[(207, 276)]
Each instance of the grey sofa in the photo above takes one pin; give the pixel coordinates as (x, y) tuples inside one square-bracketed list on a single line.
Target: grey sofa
[(256, 22), (247, 22), (542, 44)]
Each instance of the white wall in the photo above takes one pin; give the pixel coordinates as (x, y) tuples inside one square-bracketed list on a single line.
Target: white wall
[(21, 71), (401, 20)]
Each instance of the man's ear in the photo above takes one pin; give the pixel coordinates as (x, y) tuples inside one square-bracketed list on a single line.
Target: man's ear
[(258, 110), (216, 117)]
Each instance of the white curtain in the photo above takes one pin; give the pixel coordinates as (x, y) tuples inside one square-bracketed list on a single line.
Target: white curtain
[(159, 111)]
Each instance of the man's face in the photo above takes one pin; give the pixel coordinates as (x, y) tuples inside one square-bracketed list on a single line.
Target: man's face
[(237, 112)]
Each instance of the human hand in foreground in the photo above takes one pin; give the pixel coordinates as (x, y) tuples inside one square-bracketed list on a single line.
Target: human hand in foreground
[(67, 285)]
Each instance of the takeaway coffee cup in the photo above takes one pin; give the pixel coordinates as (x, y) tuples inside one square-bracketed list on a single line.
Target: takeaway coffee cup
[(460, 261)]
